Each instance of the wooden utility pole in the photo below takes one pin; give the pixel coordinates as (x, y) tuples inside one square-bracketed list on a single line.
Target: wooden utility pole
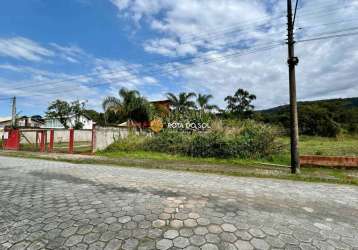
[(13, 116), (292, 62)]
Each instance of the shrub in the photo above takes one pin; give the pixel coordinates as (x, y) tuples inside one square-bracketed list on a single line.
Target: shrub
[(169, 142), (131, 143), (256, 140), (212, 144), (249, 140)]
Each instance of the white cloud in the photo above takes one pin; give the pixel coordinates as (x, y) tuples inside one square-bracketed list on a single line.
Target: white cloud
[(23, 48), (73, 54), (211, 28)]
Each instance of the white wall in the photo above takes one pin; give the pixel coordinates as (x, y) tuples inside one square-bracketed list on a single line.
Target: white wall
[(55, 123), (60, 135), (105, 136)]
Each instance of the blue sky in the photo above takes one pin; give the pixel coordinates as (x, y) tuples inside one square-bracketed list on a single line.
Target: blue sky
[(88, 49)]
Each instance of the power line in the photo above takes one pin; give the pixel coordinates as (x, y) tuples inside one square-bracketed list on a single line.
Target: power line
[(110, 72), (176, 68), (324, 8), (160, 71), (205, 62), (294, 17), (327, 37), (93, 74)]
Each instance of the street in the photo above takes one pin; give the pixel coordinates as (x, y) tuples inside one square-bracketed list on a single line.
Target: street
[(57, 205)]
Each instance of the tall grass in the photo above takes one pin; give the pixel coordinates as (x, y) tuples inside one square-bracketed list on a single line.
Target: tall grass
[(250, 140)]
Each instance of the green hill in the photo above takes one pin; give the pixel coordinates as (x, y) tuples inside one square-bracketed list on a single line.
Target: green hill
[(342, 102), (322, 117)]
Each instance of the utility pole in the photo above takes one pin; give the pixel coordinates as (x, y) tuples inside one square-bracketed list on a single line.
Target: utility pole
[(13, 117), (292, 62)]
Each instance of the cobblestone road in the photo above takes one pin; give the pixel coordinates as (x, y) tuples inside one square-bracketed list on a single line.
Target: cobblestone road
[(57, 205)]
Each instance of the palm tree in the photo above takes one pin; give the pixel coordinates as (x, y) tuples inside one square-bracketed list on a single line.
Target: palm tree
[(131, 105), (203, 102), (182, 101)]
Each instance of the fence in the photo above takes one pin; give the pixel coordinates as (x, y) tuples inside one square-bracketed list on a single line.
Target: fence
[(49, 140), (104, 136), (65, 140)]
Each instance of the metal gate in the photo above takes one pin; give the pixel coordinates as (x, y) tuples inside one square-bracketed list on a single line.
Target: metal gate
[(49, 140)]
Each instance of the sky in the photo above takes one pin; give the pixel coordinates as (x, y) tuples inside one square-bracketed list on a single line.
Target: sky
[(88, 49)]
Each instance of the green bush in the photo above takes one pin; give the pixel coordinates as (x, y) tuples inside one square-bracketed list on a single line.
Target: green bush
[(212, 144), (248, 140), (169, 142), (256, 140), (131, 143)]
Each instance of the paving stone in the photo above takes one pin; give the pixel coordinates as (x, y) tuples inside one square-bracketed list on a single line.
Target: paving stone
[(203, 221), (181, 242), (80, 246), (69, 231), (307, 246), (97, 245), (73, 240), (212, 238), (176, 223), (186, 232), (56, 205), (228, 227), (270, 231), (36, 245), (164, 244), (190, 223), (91, 237), (243, 245), (209, 247), (288, 239), (260, 244), (215, 229), (124, 219), (20, 245), (257, 233), (275, 242), (159, 223), (171, 234), (107, 236), (85, 229), (130, 244), (243, 235), (194, 216), (197, 240), (114, 244), (147, 244)]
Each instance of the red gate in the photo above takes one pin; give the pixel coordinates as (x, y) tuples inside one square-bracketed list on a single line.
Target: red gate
[(50, 140), (11, 140)]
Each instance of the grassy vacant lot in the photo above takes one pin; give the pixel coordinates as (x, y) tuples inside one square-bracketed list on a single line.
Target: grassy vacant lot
[(309, 145), (263, 168), (60, 147), (273, 168)]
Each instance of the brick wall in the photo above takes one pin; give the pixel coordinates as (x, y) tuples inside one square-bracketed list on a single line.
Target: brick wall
[(329, 161)]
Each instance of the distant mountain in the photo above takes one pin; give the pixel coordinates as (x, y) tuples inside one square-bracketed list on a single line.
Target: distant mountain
[(341, 102), (323, 117)]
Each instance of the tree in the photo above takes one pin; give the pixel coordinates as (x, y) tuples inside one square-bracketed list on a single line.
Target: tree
[(60, 110), (130, 105), (63, 111), (182, 102), (203, 103), (77, 109), (240, 103)]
